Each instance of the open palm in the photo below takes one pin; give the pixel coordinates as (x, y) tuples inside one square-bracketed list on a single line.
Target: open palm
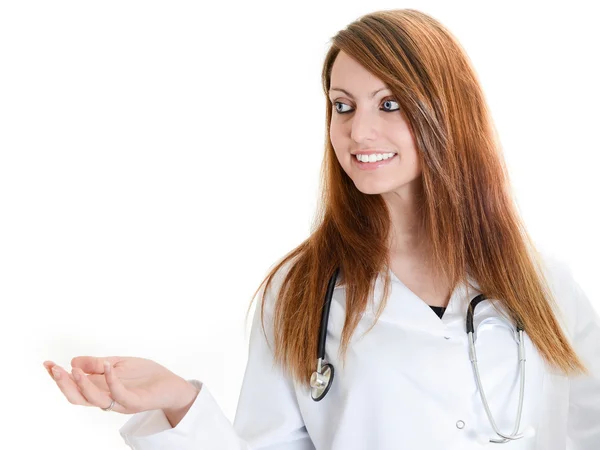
[(135, 384)]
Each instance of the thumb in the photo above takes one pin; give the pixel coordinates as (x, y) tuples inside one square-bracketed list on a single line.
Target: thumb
[(93, 364)]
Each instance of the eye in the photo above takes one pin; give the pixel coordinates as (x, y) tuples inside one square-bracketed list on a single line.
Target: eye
[(391, 101), (335, 104), (386, 102)]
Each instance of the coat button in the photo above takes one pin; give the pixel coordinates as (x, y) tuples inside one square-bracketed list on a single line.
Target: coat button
[(460, 424)]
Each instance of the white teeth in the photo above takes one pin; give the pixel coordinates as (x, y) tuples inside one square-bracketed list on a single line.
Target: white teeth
[(374, 157)]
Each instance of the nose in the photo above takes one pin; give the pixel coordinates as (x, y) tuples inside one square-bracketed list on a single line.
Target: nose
[(364, 127)]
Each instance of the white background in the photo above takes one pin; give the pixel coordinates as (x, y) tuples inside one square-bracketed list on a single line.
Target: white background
[(158, 158)]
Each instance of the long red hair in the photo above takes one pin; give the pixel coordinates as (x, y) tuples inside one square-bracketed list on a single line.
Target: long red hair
[(467, 210)]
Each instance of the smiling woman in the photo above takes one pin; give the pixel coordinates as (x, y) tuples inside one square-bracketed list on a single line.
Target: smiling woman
[(375, 127), (416, 226)]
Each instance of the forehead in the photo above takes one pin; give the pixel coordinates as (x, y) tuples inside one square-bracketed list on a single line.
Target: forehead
[(348, 73)]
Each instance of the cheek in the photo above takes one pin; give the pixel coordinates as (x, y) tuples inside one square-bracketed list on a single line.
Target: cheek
[(338, 144), (405, 141), (335, 135), (342, 158), (414, 158)]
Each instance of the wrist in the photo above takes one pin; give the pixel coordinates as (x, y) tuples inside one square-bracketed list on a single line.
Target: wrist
[(187, 397), (176, 413)]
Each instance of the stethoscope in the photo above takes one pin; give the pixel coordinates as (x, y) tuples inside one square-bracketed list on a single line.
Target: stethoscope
[(321, 380)]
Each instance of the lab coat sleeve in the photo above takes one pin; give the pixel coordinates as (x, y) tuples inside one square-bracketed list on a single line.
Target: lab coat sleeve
[(583, 425), (267, 416)]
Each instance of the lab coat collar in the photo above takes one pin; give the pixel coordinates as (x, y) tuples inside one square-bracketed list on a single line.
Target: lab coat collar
[(406, 309)]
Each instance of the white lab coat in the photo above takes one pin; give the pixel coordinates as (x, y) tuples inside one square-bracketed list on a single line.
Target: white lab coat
[(407, 384)]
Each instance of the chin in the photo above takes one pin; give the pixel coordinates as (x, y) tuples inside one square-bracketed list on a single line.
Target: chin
[(373, 188)]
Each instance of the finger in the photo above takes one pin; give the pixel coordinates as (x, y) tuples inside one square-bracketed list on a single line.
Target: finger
[(49, 365), (125, 398), (68, 387), (94, 395), (98, 380), (93, 364)]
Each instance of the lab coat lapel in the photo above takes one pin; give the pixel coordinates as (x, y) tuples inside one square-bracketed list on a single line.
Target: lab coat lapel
[(406, 309)]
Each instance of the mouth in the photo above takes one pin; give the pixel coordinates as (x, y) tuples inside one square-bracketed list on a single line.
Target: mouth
[(375, 164)]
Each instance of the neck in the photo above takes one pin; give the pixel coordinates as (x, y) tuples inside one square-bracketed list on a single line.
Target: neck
[(406, 234)]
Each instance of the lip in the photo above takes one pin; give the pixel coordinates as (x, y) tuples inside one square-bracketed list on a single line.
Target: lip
[(370, 152), (374, 165)]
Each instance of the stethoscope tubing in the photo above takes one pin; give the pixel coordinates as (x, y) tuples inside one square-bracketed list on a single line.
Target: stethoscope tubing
[(322, 379), (325, 315)]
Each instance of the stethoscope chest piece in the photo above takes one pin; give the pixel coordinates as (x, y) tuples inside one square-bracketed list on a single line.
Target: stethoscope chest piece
[(321, 382)]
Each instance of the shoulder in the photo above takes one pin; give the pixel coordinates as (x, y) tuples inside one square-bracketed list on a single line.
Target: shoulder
[(271, 295), (567, 294), (556, 269)]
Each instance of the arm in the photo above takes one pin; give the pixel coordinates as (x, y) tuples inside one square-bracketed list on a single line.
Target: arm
[(267, 411), (583, 426), (174, 416), (267, 415)]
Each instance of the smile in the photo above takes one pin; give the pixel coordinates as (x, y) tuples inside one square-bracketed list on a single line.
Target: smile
[(373, 165)]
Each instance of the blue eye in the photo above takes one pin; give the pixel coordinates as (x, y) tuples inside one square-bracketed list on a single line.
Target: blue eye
[(384, 109), (391, 101)]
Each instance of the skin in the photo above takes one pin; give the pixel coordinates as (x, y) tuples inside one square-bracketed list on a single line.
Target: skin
[(136, 384), (359, 122), (362, 122)]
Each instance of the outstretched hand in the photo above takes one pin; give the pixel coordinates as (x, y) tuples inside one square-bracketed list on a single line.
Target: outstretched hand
[(136, 384)]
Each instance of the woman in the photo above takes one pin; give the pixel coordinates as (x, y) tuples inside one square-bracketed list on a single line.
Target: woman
[(417, 216)]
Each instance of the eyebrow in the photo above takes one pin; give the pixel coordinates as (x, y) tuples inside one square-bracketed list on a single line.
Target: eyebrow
[(351, 96)]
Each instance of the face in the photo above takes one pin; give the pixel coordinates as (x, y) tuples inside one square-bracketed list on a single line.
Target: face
[(371, 125)]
